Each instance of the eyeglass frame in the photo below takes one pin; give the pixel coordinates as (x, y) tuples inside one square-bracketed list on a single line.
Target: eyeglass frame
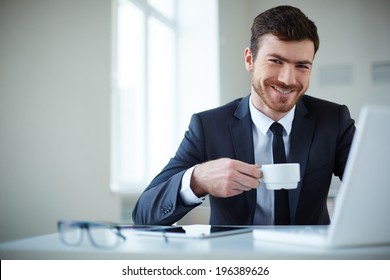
[(85, 226)]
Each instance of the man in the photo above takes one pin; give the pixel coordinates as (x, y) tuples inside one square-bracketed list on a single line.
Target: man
[(223, 148)]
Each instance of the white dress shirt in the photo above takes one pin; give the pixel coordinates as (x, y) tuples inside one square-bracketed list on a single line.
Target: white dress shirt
[(262, 139)]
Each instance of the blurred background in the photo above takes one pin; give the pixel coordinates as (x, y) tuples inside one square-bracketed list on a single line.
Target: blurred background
[(95, 95)]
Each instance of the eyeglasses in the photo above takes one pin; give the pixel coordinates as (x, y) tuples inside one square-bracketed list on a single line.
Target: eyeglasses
[(101, 235)]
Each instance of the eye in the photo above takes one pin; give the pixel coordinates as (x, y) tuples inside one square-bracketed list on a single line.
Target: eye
[(303, 66), (277, 61)]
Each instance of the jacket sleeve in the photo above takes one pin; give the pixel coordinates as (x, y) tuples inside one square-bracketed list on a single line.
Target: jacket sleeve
[(160, 203), (346, 133)]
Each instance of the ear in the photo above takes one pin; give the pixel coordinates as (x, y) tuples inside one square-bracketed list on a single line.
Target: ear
[(248, 60)]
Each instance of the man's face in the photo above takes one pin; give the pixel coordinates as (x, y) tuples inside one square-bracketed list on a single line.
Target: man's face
[(280, 74)]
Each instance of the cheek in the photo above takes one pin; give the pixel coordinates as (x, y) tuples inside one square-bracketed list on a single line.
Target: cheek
[(305, 81), (263, 73), (303, 76)]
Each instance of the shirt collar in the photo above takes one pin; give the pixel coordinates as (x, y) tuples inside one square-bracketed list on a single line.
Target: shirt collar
[(263, 122)]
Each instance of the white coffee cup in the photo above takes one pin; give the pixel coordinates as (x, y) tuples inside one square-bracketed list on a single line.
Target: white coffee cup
[(281, 176)]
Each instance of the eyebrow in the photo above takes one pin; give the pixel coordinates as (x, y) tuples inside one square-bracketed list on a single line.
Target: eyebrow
[(288, 61)]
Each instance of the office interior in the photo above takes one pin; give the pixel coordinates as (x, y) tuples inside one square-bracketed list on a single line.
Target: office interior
[(55, 96)]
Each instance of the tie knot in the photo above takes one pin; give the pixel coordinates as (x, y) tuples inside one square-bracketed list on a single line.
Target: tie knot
[(277, 129)]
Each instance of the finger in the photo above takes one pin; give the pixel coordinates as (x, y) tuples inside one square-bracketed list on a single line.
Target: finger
[(251, 170), (227, 190), (246, 182)]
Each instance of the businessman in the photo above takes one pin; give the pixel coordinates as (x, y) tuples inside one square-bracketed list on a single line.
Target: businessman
[(223, 148)]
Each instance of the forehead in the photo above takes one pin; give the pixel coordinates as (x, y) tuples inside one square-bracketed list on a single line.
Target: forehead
[(292, 50)]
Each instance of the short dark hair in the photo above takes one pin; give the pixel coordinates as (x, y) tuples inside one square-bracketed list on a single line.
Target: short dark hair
[(287, 23)]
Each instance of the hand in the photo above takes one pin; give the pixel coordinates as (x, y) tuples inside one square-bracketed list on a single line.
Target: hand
[(224, 178)]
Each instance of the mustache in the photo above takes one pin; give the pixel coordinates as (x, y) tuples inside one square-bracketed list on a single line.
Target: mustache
[(279, 84)]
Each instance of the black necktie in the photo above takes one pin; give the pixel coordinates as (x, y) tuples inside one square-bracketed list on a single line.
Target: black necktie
[(282, 212)]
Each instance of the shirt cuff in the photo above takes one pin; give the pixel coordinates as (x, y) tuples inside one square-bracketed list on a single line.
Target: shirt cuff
[(186, 194)]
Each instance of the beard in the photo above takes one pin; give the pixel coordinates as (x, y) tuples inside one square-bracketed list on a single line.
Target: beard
[(278, 102)]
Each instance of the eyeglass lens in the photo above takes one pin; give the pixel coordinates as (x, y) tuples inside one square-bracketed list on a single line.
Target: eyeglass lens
[(71, 234), (104, 236), (100, 235)]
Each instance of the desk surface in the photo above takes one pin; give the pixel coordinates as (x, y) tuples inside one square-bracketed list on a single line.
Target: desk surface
[(240, 246)]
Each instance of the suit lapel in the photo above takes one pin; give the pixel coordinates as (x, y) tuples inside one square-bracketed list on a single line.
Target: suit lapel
[(300, 143), (242, 139)]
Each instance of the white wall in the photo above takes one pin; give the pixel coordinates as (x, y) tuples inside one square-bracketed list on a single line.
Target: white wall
[(54, 114), (234, 36)]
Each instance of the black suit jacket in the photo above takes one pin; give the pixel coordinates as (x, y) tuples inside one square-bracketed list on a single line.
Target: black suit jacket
[(320, 140)]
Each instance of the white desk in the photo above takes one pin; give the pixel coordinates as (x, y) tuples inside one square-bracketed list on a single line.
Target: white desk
[(241, 246)]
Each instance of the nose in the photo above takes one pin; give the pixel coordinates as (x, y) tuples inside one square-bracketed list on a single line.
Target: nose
[(287, 75)]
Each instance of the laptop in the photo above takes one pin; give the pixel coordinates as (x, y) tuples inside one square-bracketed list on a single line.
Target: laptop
[(362, 209)]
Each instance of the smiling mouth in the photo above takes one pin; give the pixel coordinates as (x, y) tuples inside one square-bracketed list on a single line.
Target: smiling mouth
[(283, 91)]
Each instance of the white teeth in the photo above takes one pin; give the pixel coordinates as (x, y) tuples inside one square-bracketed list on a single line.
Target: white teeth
[(282, 91)]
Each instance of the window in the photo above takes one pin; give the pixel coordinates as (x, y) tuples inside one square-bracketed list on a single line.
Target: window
[(151, 103)]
